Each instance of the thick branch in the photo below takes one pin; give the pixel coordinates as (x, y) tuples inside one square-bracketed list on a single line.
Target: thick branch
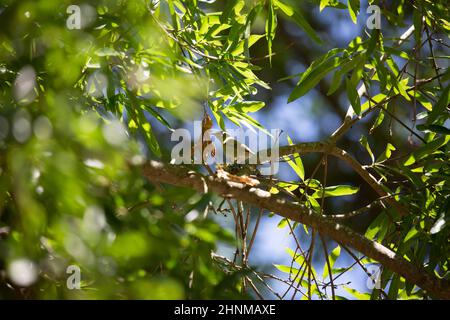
[(179, 176)]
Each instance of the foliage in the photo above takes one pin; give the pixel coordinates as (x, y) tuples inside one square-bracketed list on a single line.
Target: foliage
[(79, 112)]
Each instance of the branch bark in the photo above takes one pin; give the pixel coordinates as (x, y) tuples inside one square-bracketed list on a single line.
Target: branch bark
[(181, 176)]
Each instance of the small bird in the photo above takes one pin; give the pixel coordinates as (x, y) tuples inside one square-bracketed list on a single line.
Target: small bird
[(235, 151)]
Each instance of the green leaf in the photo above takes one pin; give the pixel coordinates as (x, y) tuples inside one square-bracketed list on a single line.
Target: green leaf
[(288, 186), (412, 233), (151, 139), (346, 66), (287, 269), (353, 96), (352, 85), (252, 39), (381, 71), (298, 164), (387, 153), (336, 191), (248, 106), (396, 52), (374, 101), (402, 87), (394, 287), (158, 116), (219, 118), (377, 227), (271, 27), (323, 4), (313, 202), (283, 223), (393, 66), (433, 128), (365, 144), (332, 258), (245, 119), (357, 294), (146, 130), (299, 170), (423, 100), (298, 257), (426, 150), (440, 106), (299, 19), (377, 121), (335, 82), (353, 9), (311, 77)]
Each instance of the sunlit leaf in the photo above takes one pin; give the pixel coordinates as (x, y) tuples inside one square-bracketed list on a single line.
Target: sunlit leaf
[(335, 253), (311, 77), (365, 144), (299, 20), (336, 191), (353, 9)]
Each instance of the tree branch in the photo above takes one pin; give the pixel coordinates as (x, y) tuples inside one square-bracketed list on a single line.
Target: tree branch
[(330, 148), (182, 177)]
